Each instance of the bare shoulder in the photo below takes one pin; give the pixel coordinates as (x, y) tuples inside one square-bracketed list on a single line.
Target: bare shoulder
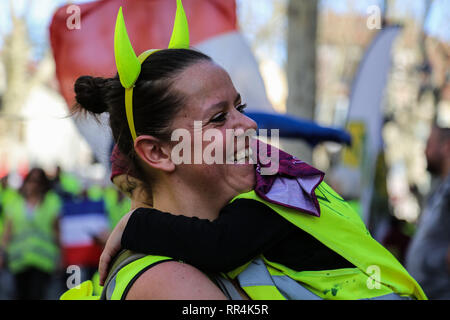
[(174, 280)]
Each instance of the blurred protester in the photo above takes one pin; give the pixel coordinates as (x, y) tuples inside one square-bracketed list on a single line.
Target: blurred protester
[(31, 235), (428, 257)]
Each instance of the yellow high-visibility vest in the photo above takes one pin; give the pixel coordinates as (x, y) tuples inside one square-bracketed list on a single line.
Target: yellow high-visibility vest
[(377, 272), (33, 241)]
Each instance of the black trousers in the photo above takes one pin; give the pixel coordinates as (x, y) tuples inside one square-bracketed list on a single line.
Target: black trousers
[(31, 284)]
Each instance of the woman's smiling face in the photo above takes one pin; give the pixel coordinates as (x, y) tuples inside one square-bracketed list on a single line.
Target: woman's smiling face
[(212, 99)]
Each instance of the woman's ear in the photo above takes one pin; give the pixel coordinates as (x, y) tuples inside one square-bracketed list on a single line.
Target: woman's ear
[(155, 153)]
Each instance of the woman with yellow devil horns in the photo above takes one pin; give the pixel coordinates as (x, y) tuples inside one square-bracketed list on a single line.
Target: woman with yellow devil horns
[(154, 93), (175, 89)]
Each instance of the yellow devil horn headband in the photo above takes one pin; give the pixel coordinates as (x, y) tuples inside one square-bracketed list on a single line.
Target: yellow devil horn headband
[(129, 65)]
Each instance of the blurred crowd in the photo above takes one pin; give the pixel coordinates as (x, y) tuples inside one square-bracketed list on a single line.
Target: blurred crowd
[(52, 231)]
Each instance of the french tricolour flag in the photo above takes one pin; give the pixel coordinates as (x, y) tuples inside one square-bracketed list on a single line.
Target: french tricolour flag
[(81, 221)]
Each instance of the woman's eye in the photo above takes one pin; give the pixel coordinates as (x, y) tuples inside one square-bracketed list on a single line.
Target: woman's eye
[(220, 117), (241, 108)]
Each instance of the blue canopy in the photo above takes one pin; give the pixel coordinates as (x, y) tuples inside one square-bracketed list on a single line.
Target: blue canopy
[(293, 127)]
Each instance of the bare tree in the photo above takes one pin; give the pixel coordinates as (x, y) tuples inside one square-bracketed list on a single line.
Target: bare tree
[(16, 57), (301, 64)]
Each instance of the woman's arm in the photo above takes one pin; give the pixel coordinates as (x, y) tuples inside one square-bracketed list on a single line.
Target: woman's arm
[(244, 229), (174, 281)]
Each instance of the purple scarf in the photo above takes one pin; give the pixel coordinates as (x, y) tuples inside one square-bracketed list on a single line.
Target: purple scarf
[(292, 185)]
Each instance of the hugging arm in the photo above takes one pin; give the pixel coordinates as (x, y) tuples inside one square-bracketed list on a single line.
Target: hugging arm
[(244, 229)]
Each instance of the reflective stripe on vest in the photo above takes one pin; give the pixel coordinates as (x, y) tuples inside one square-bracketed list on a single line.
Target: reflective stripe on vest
[(121, 277), (377, 272), (33, 240), (226, 286), (111, 291), (118, 286), (32, 249), (262, 282)]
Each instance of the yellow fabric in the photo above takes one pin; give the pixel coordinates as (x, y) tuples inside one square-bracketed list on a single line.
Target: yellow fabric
[(89, 290), (356, 206), (70, 183), (338, 284), (33, 240), (95, 193), (96, 287), (84, 291), (342, 230), (234, 273), (129, 272)]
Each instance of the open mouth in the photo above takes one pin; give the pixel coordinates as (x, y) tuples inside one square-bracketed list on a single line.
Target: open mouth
[(244, 156)]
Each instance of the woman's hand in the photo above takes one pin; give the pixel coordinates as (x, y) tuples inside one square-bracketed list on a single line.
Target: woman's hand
[(112, 246)]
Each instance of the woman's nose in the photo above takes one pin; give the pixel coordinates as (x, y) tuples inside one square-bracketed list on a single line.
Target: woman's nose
[(251, 123), (244, 122)]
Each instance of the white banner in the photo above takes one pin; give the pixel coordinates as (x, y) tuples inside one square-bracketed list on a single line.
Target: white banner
[(365, 119)]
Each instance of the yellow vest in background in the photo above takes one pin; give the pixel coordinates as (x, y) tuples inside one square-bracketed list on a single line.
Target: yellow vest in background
[(33, 241)]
